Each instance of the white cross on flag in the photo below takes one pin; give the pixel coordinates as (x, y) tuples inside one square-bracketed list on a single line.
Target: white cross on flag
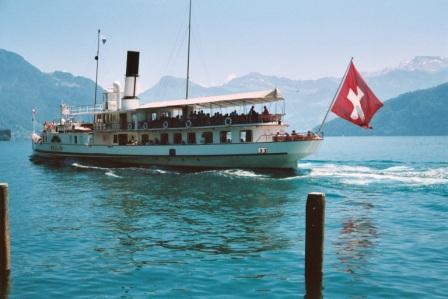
[(355, 101)]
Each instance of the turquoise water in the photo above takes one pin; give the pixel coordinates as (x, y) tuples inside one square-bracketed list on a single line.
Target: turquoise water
[(80, 230)]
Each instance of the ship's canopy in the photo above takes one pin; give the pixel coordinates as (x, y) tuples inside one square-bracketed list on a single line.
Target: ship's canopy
[(222, 101)]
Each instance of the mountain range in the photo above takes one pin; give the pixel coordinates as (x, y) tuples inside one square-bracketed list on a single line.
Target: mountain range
[(24, 87)]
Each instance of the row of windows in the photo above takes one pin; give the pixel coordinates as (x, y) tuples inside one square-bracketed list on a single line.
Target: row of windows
[(206, 138), (57, 139)]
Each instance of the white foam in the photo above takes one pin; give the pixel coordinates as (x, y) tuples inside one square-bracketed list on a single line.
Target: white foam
[(362, 175), (77, 165), (398, 168), (112, 174), (305, 165), (160, 171), (108, 172), (297, 177), (239, 173)]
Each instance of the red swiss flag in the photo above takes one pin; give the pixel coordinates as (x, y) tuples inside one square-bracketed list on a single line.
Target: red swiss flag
[(355, 101)]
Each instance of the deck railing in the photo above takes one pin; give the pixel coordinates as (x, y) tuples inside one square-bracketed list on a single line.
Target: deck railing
[(284, 137), (199, 121), (82, 110)]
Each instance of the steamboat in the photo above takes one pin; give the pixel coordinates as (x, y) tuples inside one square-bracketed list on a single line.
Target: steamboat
[(245, 130)]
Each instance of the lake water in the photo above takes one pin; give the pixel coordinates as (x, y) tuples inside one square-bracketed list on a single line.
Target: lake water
[(79, 230)]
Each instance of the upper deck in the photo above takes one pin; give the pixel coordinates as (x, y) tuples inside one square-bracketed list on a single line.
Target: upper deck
[(260, 107)]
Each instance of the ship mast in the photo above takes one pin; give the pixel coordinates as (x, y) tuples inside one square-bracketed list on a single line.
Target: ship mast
[(188, 54), (96, 74)]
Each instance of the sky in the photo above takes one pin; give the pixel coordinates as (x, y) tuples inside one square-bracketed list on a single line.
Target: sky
[(289, 38)]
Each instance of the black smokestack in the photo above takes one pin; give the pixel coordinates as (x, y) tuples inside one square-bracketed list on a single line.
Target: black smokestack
[(132, 64)]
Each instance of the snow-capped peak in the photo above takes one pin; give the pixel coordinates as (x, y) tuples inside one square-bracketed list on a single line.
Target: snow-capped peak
[(424, 63), (418, 63)]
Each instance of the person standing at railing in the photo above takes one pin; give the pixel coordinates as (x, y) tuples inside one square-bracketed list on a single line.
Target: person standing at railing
[(252, 110)]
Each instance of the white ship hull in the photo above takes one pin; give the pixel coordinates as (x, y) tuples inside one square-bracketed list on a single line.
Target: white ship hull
[(240, 155)]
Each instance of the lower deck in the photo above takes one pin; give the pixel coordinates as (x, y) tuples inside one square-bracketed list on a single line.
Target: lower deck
[(227, 155)]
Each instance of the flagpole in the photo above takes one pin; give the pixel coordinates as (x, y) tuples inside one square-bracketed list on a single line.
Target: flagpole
[(34, 120), (335, 96)]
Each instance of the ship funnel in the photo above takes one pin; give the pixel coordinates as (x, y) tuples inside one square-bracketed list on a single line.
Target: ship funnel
[(130, 99)]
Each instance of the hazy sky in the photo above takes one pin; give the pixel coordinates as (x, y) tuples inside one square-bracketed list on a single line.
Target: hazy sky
[(291, 38)]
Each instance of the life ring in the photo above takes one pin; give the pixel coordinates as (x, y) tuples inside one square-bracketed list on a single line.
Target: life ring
[(129, 126), (165, 124), (145, 125), (228, 121), (188, 124)]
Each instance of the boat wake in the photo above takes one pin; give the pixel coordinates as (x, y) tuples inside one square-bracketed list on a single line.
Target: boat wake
[(345, 173), (109, 172), (363, 175), (239, 173)]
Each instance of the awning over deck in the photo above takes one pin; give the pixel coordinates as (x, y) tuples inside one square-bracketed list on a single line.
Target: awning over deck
[(223, 101)]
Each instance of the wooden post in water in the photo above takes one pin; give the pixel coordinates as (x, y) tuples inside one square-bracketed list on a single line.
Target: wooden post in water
[(314, 244), (5, 263)]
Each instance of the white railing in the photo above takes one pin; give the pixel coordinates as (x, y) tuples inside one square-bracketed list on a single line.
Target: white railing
[(82, 110)]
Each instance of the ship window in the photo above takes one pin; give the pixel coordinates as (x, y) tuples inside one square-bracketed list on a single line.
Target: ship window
[(76, 139), (115, 138), (191, 138), (164, 138), (56, 139), (123, 121), (70, 138), (145, 139), (177, 138), (246, 136), (208, 137), (225, 137), (122, 139)]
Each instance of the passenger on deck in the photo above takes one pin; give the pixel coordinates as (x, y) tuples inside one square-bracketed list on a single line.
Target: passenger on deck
[(132, 141), (252, 110), (265, 111), (276, 137), (294, 136)]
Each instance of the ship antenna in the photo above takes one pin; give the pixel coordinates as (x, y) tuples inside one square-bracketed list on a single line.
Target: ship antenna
[(188, 55)]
